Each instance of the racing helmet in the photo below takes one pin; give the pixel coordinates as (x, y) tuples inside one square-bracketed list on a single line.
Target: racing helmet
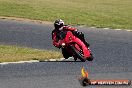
[(58, 23)]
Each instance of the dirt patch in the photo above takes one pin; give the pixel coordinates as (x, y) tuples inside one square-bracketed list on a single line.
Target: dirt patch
[(26, 20)]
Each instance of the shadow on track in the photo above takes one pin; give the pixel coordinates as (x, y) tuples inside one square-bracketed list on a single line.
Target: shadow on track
[(60, 61)]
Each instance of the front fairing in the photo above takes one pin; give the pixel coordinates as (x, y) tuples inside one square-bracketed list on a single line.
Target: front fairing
[(65, 37), (70, 40)]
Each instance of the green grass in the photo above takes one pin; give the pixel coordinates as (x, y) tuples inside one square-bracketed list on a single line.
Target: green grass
[(15, 53), (98, 13)]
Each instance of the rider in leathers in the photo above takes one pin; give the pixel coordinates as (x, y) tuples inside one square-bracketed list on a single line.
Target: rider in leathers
[(59, 26)]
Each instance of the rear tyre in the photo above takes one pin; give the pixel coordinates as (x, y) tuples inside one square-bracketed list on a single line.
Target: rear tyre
[(77, 54), (90, 58)]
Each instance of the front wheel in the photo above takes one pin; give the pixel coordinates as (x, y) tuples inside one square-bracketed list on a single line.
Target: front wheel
[(65, 54), (78, 54)]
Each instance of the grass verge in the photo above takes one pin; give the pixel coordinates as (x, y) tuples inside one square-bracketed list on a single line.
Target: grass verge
[(15, 53), (98, 13)]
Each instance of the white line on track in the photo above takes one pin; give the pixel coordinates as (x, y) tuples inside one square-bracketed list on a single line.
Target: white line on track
[(92, 27), (106, 28), (118, 29), (129, 30), (31, 61)]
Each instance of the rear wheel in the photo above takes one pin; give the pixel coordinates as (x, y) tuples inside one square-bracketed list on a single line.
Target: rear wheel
[(90, 58), (78, 54)]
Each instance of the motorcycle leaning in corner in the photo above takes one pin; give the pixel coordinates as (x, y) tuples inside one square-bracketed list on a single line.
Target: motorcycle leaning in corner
[(73, 46)]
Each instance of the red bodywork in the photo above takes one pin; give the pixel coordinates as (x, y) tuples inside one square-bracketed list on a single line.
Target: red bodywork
[(68, 39)]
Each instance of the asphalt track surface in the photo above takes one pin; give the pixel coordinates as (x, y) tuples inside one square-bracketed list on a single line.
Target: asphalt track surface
[(112, 50)]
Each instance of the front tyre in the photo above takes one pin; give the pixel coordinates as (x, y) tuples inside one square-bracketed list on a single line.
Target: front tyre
[(78, 54), (65, 54)]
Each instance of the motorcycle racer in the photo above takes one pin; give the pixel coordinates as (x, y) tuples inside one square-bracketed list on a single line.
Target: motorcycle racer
[(59, 26)]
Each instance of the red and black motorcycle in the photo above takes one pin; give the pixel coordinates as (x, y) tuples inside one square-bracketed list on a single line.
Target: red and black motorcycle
[(73, 46)]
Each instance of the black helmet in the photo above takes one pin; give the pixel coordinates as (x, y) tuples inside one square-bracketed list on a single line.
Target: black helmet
[(58, 23)]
